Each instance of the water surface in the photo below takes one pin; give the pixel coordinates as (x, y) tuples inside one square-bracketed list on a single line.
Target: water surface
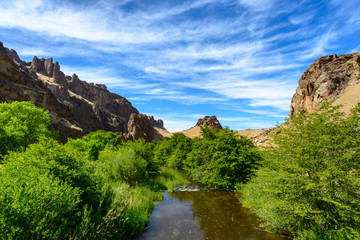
[(203, 214)]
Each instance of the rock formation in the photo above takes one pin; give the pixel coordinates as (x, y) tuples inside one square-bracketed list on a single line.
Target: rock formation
[(209, 121), (157, 123), (202, 122), (326, 78), (75, 106), (140, 126)]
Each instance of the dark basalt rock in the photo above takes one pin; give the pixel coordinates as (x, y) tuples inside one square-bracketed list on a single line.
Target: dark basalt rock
[(75, 106)]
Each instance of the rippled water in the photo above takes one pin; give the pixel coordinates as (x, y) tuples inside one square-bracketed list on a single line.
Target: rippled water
[(203, 214)]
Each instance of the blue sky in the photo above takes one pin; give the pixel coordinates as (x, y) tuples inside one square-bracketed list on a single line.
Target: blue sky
[(180, 60)]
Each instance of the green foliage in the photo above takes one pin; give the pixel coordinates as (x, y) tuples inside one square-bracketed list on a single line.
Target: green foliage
[(48, 156), (34, 204), (126, 165), (93, 143), (173, 151), (310, 184), (145, 151), (96, 187), (221, 158), (133, 163), (168, 179), (21, 123)]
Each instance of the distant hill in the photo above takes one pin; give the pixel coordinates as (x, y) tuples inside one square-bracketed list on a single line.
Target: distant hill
[(75, 106)]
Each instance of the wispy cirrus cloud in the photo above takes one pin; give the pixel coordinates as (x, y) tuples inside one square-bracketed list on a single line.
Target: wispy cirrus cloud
[(247, 55)]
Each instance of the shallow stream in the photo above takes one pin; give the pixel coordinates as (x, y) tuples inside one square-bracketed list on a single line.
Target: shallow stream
[(198, 213)]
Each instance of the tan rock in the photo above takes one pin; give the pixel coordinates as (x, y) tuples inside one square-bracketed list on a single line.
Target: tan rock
[(327, 78)]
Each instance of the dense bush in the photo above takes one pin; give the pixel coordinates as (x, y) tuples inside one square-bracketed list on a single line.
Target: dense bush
[(21, 123), (134, 163), (34, 204), (221, 158), (49, 156), (310, 184), (93, 143), (173, 151)]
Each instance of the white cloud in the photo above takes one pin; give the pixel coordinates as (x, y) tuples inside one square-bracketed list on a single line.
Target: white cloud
[(282, 104), (302, 18), (34, 52), (319, 46), (248, 55), (258, 5)]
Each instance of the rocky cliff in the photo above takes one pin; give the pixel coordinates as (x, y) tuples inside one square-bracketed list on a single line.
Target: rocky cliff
[(209, 122), (75, 106), (329, 77)]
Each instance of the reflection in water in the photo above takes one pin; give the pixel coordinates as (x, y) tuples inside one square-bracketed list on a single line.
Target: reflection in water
[(203, 215)]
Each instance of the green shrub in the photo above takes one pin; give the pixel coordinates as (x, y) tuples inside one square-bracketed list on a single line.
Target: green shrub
[(21, 123), (124, 165), (51, 157), (173, 151), (310, 184), (221, 158), (93, 143), (34, 204)]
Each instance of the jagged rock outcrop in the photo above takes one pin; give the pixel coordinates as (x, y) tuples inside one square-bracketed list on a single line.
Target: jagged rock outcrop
[(157, 123), (209, 121), (17, 84), (75, 106), (326, 78), (140, 126)]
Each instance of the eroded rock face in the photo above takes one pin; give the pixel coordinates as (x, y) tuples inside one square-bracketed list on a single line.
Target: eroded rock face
[(209, 121), (17, 84), (140, 126), (326, 78), (157, 123), (75, 106)]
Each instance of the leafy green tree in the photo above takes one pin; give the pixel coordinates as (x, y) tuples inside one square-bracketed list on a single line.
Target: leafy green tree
[(173, 151), (21, 123), (221, 158), (310, 184)]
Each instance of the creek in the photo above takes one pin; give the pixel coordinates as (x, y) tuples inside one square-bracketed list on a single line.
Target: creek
[(199, 213)]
